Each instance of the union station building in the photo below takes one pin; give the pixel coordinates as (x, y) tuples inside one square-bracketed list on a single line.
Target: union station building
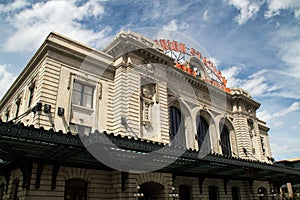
[(141, 119)]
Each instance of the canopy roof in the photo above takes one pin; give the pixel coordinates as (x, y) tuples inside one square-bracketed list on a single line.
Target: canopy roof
[(20, 146)]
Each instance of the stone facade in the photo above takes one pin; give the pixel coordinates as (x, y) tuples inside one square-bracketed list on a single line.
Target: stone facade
[(128, 89)]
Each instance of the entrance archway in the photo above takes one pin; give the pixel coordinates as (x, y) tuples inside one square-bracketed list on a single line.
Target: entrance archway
[(262, 193), (152, 191)]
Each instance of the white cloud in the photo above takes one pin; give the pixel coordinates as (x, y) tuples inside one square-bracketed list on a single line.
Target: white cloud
[(285, 147), (275, 6), (247, 8), (16, 5), (171, 26), (256, 84), (33, 24), (164, 9), (205, 16), (264, 115), (231, 76), (292, 108), (286, 41), (6, 79)]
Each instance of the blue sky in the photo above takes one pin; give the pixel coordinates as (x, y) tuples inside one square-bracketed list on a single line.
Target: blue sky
[(255, 43)]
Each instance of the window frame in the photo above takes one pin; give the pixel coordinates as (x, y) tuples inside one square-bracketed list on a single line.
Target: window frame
[(176, 116), (80, 127), (18, 104), (83, 94), (31, 94), (225, 140), (202, 138), (263, 145)]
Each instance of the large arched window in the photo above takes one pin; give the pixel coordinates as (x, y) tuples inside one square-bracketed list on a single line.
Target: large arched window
[(75, 189), (213, 193), (177, 135), (225, 140), (202, 134), (151, 190), (184, 192)]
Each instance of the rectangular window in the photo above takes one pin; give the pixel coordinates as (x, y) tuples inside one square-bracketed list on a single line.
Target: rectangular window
[(82, 94), (18, 102), (7, 115), (83, 130), (31, 93), (262, 141)]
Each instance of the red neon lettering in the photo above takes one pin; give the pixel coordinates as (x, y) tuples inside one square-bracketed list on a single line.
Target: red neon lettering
[(198, 54), (219, 74), (227, 90), (224, 81), (192, 51), (209, 63), (174, 46), (169, 45), (163, 44), (182, 48), (156, 42), (215, 69), (204, 60)]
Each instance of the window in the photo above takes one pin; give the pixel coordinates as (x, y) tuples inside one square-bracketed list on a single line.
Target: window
[(82, 94), (213, 193), (184, 192), (262, 141), (202, 134), (235, 192), (18, 102), (7, 115), (83, 130), (14, 189), (177, 136), (225, 140), (75, 189), (31, 94)]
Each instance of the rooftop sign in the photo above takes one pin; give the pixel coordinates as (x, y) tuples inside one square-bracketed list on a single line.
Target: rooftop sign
[(216, 77)]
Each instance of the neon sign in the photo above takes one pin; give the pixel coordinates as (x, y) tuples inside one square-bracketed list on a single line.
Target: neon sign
[(216, 77)]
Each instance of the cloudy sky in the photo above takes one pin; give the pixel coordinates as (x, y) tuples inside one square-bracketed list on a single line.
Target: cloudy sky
[(256, 44)]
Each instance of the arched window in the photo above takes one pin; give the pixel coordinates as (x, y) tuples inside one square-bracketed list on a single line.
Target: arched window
[(75, 189), (184, 192), (225, 140), (151, 190), (177, 135), (202, 134), (235, 192), (213, 193)]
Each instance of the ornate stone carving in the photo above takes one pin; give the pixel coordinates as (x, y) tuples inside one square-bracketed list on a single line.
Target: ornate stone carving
[(147, 95)]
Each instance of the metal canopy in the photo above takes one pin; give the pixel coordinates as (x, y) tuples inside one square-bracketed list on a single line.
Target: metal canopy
[(20, 146)]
